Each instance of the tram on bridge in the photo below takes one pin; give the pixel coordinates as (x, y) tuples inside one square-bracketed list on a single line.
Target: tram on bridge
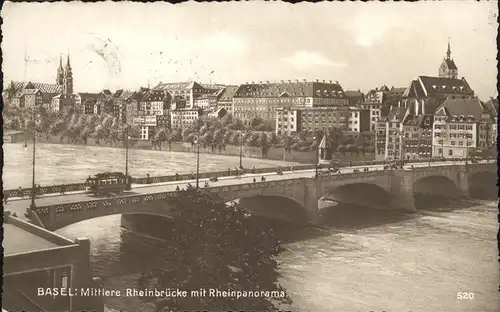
[(108, 183)]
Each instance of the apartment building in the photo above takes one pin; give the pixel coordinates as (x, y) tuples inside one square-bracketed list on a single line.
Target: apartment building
[(461, 126), (348, 119), (263, 99)]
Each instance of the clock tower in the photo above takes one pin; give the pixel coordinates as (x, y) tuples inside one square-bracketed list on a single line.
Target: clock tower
[(448, 69)]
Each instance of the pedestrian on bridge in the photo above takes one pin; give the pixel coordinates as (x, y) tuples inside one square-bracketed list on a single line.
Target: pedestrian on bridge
[(177, 188), (263, 178), (228, 172), (254, 180), (20, 192), (5, 197)]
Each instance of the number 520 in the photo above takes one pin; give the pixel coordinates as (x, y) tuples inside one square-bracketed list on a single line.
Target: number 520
[(465, 296)]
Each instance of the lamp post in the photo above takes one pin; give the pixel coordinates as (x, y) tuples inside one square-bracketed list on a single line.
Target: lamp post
[(197, 142), (126, 154), (33, 205), (241, 150), (466, 146), (317, 156)]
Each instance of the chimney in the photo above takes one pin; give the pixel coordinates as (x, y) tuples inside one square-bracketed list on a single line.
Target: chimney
[(317, 80), (260, 82), (304, 80), (296, 80), (336, 81), (289, 81), (330, 81), (267, 81)]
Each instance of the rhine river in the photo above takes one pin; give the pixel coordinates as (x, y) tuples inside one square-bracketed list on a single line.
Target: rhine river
[(359, 260)]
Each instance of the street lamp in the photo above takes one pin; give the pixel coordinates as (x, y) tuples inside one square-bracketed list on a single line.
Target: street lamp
[(33, 205), (197, 142), (466, 147), (317, 156), (241, 150), (126, 154)]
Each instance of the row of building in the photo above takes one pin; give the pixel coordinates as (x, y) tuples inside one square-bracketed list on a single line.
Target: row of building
[(426, 118), (437, 117)]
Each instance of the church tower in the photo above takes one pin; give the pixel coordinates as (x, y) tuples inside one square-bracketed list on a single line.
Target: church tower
[(448, 69), (60, 73), (68, 79)]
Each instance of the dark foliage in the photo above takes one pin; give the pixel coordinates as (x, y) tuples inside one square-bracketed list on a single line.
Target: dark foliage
[(213, 245)]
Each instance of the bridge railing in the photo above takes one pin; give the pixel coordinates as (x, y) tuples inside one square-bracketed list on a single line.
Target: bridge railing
[(26, 192), (22, 192), (104, 203)]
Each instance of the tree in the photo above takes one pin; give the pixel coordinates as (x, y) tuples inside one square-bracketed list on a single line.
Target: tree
[(264, 144), (212, 245), (341, 149)]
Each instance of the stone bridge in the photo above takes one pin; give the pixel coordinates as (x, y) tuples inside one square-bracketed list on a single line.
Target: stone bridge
[(294, 199)]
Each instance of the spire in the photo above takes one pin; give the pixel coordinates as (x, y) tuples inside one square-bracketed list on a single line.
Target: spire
[(68, 65), (60, 61), (448, 53)]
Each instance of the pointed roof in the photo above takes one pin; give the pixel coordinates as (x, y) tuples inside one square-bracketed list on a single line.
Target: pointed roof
[(433, 86), (44, 87), (60, 64), (462, 107), (450, 64), (448, 52), (68, 65)]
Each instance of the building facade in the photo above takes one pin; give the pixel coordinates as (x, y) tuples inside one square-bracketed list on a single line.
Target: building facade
[(263, 99), (310, 120), (461, 126), (492, 107), (184, 118), (417, 140), (394, 133)]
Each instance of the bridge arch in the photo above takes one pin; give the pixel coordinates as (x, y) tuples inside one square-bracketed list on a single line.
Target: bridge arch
[(483, 184), (434, 190), (59, 216), (275, 207), (360, 194), (436, 185)]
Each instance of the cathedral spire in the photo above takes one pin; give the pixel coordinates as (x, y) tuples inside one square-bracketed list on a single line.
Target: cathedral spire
[(60, 72), (448, 53), (68, 65)]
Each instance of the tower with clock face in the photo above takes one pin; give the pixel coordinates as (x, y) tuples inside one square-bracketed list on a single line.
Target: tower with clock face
[(448, 69)]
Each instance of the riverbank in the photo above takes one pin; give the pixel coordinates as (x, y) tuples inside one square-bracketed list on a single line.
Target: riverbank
[(274, 152)]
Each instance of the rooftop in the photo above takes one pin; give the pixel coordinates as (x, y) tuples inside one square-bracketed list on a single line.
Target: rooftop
[(291, 89), (462, 107), (17, 240), (22, 237)]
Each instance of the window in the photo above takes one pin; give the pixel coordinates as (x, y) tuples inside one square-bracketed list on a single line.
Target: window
[(450, 152)]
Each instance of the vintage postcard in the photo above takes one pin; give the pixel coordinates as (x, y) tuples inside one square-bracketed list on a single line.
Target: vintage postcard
[(250, 156)]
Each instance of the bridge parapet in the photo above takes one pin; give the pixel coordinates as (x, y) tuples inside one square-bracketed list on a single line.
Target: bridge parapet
[(48, 214)]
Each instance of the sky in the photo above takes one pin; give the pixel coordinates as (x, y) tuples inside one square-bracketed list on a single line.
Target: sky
[(360, 45)]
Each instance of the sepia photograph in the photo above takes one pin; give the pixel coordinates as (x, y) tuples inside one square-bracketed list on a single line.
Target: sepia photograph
[(250, 156)]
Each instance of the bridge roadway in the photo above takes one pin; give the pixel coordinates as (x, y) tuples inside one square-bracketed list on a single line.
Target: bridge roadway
[(19, 206)]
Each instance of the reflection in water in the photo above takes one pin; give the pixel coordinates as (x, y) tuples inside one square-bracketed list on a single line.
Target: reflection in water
[(359, 259)]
